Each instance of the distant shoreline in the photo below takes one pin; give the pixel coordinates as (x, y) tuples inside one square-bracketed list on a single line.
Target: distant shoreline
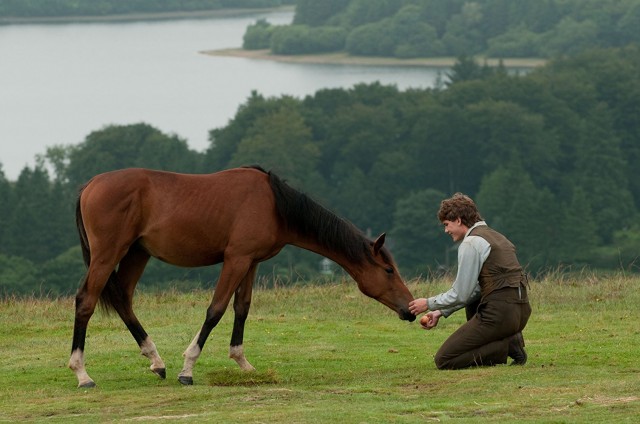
[(198, 14), (339, 58), (345, 59)]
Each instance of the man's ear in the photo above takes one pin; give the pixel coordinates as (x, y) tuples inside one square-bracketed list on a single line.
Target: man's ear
[(377, 245)]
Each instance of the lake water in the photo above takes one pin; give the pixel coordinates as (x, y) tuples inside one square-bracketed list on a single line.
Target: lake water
[(59, 82)]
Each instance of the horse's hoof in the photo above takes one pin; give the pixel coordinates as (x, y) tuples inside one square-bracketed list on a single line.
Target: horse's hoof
[(89, 384), (186, 381), (160, 372)]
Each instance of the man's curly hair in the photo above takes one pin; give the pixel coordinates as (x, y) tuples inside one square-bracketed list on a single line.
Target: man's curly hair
[(459, 206)]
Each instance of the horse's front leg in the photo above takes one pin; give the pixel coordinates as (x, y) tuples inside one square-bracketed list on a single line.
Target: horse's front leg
[(241, 305), (233, 272)]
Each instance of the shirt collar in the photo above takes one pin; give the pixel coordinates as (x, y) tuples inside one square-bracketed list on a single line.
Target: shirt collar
[(477, 224)]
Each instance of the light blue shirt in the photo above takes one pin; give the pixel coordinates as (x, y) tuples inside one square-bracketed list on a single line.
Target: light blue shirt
[(472, 253)]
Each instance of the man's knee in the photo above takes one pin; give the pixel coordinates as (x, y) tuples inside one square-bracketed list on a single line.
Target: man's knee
[(441, 362)]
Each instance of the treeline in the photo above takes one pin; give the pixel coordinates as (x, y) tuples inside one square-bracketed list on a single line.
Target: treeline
[(431, 28), (70, 8), (551, 158)]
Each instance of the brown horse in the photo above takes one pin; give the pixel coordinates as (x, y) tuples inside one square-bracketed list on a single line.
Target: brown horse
[(240, 217)]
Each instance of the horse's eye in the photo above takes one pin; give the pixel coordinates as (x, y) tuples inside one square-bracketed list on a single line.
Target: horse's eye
[(389, 270)]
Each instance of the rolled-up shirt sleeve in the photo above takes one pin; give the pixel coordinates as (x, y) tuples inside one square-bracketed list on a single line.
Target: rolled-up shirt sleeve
[(472, 253)]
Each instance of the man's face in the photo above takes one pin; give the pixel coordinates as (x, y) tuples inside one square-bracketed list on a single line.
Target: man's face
[(456, 229)]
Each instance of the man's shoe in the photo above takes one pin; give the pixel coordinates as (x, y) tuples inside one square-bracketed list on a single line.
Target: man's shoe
[(516, 349)]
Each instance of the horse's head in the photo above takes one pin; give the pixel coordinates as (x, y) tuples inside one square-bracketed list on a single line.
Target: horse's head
[(380, 280)]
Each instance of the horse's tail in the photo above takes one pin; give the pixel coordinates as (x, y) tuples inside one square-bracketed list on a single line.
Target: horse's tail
[(82, 232), (112, 293)]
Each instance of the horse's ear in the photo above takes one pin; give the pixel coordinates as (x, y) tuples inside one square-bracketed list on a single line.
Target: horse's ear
[(377, 245)]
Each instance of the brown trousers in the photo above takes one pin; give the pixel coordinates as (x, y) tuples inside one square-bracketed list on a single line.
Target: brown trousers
[(484, 338)]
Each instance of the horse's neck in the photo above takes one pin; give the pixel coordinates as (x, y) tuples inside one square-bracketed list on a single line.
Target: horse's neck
[(340, 259)]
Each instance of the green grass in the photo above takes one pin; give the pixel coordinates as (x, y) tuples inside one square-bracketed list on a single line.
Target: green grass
[(327, 354)]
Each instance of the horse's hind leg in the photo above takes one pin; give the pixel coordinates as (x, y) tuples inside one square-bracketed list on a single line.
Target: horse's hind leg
[(129, 272), (241, 304), (86, 301)]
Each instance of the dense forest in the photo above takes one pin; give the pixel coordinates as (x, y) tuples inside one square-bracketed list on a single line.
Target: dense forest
[(432, 28), (551, 157), (71, 8)]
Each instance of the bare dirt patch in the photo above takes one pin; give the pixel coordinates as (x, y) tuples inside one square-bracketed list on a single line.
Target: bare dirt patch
[(345, 59)]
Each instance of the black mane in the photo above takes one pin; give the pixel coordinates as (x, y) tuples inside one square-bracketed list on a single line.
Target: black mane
[(304, 215)]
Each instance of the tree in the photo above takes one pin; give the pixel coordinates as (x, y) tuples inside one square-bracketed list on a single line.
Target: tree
[(62, 275), (375, 39), (319, 112), (413, 37), (569, 37), (290, 40), (171, 153), (553, 120), (539, 16), (467, 69), (516, 42), (496, 17), (302, 39), (623, 252), (17, 276), (351, 197), (577, 230), (420, 245), (316, 13), (628, 25), (356, 129), (463, 35), (223, 141), (405, 34), (257, 36), (445, 147), (366, 132), (423, 28), (138, 145), (57, 157), (362, 12), (280, 141), (6, 206), (614, 80), (438, 12), (510, 202), (33, 225), (600, 172), (507, 133)]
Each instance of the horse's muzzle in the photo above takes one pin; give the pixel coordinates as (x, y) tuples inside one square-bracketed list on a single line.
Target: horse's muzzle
[(407, 316)]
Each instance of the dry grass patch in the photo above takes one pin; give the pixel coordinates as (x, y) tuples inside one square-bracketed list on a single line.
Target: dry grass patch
[(235, 377)]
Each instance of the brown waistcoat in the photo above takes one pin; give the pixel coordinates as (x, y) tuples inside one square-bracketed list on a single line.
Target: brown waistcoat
[(501, 269)]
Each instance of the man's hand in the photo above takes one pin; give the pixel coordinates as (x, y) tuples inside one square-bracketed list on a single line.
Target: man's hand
[(418, 306), (434, 316)]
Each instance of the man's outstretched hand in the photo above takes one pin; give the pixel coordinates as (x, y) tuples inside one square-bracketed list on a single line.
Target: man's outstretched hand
[(418, 306)]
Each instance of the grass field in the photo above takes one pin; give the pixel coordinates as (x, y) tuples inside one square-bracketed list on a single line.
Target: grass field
[(328, 354)]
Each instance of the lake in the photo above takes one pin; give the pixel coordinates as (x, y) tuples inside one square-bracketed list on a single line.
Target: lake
[(59, 82)]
